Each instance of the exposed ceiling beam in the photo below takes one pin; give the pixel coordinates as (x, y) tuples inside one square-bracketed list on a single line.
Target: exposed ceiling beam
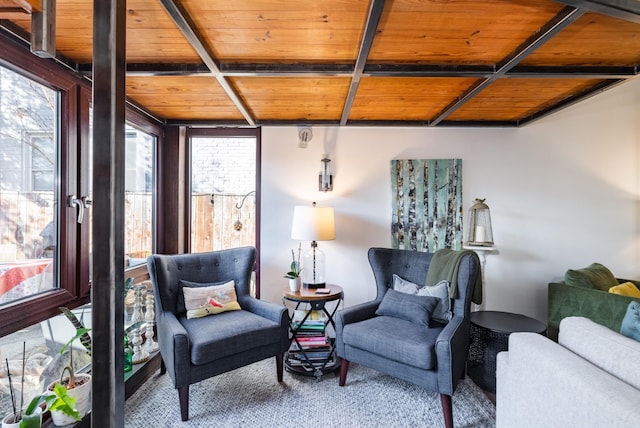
[(43, 30), (370, 28), (377, 70), (27, 6), (186, 25), (565, 17), (629, 10)]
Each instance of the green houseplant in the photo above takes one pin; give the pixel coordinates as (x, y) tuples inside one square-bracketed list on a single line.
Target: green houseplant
[(31, 417), (293, 275), (73, 392)]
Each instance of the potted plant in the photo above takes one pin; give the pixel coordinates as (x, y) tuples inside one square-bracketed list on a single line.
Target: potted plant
[(73, 392), (294, 271), (31, 417)]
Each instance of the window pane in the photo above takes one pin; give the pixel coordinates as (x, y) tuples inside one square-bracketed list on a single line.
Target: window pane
[(223, 203), (139, 174), (28, 196)]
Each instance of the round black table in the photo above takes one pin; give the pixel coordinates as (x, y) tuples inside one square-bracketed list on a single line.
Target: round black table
[(490, 332)]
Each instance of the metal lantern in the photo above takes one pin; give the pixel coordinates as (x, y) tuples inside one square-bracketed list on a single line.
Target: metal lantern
[(480, 232)]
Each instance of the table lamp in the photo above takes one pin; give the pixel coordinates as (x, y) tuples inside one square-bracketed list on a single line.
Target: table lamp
[(313, 223)]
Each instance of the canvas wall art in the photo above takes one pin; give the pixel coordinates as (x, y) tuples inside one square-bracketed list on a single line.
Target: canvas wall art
[(426, 204)]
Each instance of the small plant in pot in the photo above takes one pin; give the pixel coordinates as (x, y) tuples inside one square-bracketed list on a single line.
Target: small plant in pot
[(293, 275), (73, 392), (31, 416)]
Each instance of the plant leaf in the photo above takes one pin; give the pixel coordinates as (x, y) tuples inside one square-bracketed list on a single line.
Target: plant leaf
[(64, 402), (85, 339)]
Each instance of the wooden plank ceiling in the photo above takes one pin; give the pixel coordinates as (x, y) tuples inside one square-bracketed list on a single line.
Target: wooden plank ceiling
[(357, 62)]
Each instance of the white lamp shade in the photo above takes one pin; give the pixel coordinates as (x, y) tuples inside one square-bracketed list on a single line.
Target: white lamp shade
[(313, 224)]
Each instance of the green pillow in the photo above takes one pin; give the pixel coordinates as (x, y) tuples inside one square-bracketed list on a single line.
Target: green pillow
[(594, 276), (409, 307), (631, 322)]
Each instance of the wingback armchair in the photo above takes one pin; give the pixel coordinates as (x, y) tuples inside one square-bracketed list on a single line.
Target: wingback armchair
[(432, 357), (194, 349)]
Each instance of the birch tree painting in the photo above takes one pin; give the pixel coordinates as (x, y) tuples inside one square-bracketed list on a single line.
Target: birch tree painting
[(426, 204)]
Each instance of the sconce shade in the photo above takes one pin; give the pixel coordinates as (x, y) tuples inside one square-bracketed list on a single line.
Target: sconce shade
[(313, 223), (480, 232)]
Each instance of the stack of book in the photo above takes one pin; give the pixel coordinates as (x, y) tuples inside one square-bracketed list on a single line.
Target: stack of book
[(310, 344)]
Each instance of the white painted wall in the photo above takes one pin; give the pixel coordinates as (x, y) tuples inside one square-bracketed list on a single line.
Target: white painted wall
[(563, 192)]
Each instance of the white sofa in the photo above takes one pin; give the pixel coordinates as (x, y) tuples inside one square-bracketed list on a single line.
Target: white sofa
[(590, 378)]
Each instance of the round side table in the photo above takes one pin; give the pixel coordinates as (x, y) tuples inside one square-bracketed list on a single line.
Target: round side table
[(312, 349), (490, 332)]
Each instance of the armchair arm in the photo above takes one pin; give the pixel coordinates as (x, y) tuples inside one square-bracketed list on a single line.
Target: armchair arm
[(271, 311), (174, 347), (452, 348), (351, 315), (356, 313)]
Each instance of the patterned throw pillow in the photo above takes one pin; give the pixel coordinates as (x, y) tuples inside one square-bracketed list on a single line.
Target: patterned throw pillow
[(205, 299), (440, 291)]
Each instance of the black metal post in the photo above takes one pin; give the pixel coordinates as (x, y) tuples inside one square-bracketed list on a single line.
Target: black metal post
[(109, 27)]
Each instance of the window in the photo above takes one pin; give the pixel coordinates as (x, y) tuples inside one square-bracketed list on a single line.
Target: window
[(28, 196), (223, 190), (224, 187), (139, 200)]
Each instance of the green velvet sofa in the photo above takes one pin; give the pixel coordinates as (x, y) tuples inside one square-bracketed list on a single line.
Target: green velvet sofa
[(602, 307)]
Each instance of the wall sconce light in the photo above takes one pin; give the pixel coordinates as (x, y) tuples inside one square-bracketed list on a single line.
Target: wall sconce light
[(304, 136), (325, 179), (480, 232)]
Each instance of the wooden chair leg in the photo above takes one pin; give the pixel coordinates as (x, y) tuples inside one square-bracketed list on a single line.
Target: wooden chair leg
[(344, 366), (447, 410), (183, 394), (279, 366)]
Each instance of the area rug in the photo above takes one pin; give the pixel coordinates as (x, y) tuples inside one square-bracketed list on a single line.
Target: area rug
[(252, 397)]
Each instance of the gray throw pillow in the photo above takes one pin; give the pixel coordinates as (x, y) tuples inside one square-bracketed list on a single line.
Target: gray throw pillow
[(440, 291), (413, 308)]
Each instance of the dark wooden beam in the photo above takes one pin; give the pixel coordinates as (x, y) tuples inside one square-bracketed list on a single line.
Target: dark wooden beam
[(188, 28), (573, 72), (43, 30), (629, 10), (564, 18), (370, 28), (109, 30)]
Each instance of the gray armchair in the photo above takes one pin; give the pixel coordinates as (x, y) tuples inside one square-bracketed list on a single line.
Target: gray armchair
[(199, 348), (432, 357)]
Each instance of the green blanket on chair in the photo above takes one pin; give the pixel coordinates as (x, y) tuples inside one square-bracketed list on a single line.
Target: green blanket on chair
[(444, 265)]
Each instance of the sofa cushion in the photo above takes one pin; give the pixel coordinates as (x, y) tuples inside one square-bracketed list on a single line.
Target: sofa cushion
[(440, 291), (593, 276), (201, 300), (211, 339), (413, 308), (626, 289), (631, 322), (396, 339), (607, 349)]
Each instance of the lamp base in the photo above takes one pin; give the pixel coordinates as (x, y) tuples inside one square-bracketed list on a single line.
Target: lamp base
[(315, 285)]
